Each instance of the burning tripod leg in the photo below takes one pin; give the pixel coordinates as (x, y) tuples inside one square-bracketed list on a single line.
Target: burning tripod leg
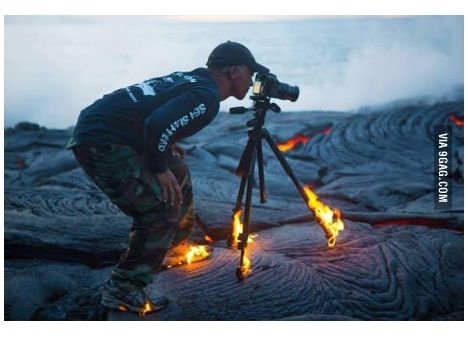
[(244, 266), (240, 231), (329, 220)]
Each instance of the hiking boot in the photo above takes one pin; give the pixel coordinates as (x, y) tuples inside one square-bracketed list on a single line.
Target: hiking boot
[(186, 252), (137, 300)]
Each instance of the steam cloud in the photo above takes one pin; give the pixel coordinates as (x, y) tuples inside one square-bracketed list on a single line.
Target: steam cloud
[(55, 66)]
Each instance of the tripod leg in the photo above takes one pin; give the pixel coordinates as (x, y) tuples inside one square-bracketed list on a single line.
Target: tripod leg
[(246, 160), (248, 197), (230, 241), (244, 163), (240, 193), (331, 236), (261, 174), (243, 268), (285, 165)]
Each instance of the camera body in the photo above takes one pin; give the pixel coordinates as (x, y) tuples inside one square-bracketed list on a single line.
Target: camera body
[(268, 85)]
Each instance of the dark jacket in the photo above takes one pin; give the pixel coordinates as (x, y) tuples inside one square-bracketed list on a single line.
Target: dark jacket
[(152, 115)]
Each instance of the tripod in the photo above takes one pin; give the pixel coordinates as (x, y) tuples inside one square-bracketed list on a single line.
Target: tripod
[(246, 170)]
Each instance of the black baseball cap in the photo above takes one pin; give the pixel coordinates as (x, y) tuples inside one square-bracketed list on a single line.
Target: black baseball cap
[(233, 53)]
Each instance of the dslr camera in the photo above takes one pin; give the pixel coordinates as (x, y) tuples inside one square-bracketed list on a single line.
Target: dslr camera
[(268, 86)]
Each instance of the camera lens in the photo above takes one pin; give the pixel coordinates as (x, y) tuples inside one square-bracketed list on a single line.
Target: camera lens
[(287, 92), (282, 90)]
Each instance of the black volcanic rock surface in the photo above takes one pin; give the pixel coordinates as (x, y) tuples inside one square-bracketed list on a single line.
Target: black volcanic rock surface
[(398, 258)]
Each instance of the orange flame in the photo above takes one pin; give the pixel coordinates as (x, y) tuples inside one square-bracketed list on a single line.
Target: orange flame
[(245, 268), (237, 226), (122, 308), (328, 219), (291, 143), (195, 251), (458, 121), (147, 307), (208, 238)]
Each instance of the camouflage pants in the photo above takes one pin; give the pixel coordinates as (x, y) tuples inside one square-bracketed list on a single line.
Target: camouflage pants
[(117, 170)]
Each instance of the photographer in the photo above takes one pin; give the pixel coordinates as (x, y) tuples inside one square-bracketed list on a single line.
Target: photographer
[(126, 143)]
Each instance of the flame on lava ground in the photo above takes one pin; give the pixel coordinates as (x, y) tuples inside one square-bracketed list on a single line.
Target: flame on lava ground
[(147, 307), (184, 254), (196, 251), (208, 239), (122, 308), (329, 219)]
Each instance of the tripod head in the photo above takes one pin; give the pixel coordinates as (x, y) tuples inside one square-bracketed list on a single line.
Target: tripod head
[(261, 105)]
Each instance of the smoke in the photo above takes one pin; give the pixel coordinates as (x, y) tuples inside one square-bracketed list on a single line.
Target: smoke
[(394, 64), (374, 75), (56, 66)]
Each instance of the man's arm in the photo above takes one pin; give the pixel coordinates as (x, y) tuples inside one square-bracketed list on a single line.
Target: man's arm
[(180, 117)]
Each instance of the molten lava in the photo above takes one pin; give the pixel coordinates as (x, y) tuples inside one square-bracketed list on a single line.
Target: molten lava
[(329, 219), (458, 121), (291, 143)]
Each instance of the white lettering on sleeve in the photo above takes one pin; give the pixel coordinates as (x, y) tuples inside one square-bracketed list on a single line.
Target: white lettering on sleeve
[(132, 96), (182, 122)]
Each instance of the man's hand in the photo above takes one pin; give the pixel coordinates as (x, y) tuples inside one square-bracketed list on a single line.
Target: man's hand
[(177, 150), (170, 188)]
